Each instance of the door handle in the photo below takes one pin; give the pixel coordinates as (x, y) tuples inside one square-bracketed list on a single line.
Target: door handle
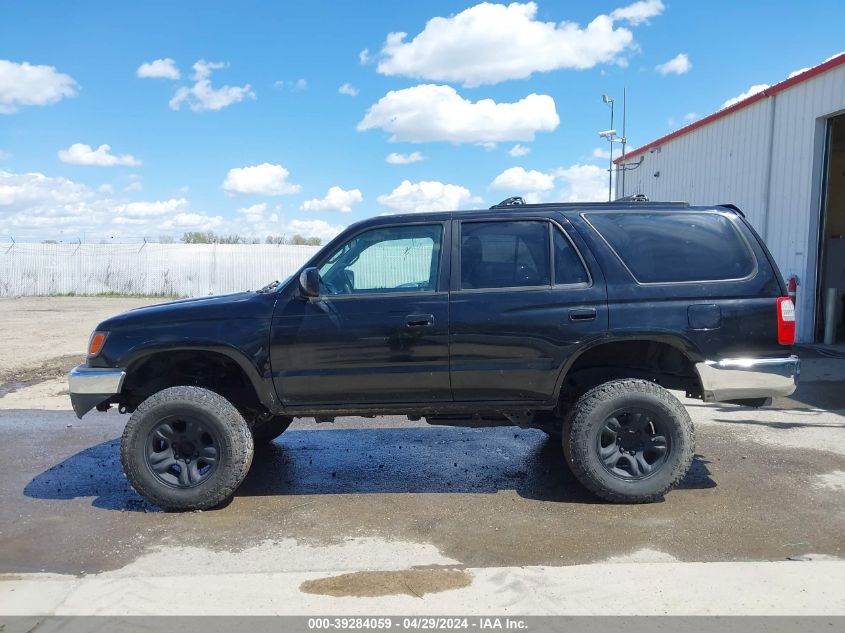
[(582, 314), (419, 320)]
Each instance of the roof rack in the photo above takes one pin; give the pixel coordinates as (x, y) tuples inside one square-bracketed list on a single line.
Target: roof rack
[(637, 197), (632, 200), (513, 201)]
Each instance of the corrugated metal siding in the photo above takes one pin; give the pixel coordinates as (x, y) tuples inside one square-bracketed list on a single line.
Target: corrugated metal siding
[(728, 161)]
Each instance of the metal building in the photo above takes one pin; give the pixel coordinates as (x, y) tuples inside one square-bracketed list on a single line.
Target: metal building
[(779, 156)]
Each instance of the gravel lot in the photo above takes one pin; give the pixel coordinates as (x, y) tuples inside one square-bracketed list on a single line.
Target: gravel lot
[(389, 516)]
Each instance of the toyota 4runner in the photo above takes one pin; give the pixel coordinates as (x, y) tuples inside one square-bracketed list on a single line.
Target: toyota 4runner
[(576, 319)]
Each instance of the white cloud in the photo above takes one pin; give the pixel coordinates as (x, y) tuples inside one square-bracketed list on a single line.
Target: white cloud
[(582, 183), (301, 84), (489, 43), (26, 84), (438, 113), (364, 56), (265, 179), (426, 196), (598, 152), (336, 199), (136, 185), (577, 183), (202, 96), (690, 116), (795, 73), (33, 205), (348, 89), (394, 158), (638, 12), (152, 209), (678, 65), (254, 212), (106, 188), (753, 90), (312, 228), (520, 180), (519, 150), (82, 154), (159, 69)]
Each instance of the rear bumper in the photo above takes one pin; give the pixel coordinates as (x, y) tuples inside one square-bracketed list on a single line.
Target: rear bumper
[(748, 378), (89, 386)]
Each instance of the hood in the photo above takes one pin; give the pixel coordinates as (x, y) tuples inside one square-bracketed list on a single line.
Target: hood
[(240, 305)]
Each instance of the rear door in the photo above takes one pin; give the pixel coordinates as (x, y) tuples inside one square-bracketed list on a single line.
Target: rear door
[(524, 294)]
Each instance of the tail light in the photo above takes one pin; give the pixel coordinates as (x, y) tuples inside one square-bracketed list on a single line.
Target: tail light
[(786, 321)]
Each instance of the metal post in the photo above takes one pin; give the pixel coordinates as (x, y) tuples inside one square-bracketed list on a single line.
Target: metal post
[(610, 167), (624, 137)]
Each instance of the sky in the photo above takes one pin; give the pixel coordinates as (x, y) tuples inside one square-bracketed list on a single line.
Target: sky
[(123, 121)]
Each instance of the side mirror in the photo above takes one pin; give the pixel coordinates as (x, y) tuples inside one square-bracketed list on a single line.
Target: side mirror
[(309, 282)]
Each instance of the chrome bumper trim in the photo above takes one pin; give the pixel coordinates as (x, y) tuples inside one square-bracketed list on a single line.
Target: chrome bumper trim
[(745, 378), (95, 380)]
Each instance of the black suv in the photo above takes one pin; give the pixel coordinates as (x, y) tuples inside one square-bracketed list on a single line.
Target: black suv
[(573, 318)]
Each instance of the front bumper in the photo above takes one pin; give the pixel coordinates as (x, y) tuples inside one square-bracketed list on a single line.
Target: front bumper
[(89, 386), (748, 378)]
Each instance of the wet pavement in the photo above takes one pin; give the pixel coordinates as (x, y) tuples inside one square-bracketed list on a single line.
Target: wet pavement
[(483, 497)]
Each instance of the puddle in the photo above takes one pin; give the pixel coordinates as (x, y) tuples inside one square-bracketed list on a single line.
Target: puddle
[(834, 480), (370, 584)]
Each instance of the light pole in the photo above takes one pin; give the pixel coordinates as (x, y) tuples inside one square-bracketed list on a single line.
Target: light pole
[(609, 136)]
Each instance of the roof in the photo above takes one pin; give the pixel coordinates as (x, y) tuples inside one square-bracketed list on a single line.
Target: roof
[(837, 60)]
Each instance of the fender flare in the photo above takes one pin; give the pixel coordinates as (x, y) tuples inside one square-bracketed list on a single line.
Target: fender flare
[(681, 343)]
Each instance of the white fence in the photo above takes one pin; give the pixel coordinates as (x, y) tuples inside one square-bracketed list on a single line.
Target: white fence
[(144, 269)]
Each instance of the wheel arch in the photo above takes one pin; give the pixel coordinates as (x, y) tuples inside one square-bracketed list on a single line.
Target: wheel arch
[(152, 369), (654, 356)]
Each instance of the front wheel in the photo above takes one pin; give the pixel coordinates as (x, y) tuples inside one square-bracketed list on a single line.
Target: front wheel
[(629, 441), (186, 448)]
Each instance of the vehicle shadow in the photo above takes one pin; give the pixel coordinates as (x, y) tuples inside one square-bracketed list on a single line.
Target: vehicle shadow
[(363, 461)]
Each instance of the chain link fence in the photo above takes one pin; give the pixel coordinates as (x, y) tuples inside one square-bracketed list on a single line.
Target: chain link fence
[(144, 269)]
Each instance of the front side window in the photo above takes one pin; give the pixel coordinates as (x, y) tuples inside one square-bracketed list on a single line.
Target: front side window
[(389, 259), (504, 254)]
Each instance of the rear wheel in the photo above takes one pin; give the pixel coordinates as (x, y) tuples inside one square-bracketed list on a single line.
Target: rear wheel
[(629, 441), (266, 432), (186, 448)]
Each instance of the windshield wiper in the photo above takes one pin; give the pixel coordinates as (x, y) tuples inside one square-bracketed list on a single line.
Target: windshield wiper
[(269, 287)]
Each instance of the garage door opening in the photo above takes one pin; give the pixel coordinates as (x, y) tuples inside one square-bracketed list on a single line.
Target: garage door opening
[(832, 274)]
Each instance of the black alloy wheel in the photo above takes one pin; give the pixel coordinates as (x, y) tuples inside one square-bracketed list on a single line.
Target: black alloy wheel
[(634, 443), (182, 451)]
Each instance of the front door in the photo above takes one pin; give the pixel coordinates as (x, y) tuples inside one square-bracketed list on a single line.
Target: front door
[(523, 298), (378, 332)]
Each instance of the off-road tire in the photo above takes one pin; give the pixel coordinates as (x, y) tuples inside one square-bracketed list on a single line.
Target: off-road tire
[(265, 432), (234, 453), (589, 415)]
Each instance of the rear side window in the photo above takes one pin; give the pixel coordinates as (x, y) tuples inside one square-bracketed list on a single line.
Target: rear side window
[(504, 254), (569, 269), (676, 247)]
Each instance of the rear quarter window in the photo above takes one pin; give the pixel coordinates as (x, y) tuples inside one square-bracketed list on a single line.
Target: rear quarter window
[(676, 247)]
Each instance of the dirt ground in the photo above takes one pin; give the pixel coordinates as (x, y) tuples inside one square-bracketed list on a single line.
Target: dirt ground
[(377, 515)]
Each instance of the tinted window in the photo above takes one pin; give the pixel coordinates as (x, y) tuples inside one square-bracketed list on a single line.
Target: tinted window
[(569, 269), (676, 247), (504, 254), (391, 259)]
